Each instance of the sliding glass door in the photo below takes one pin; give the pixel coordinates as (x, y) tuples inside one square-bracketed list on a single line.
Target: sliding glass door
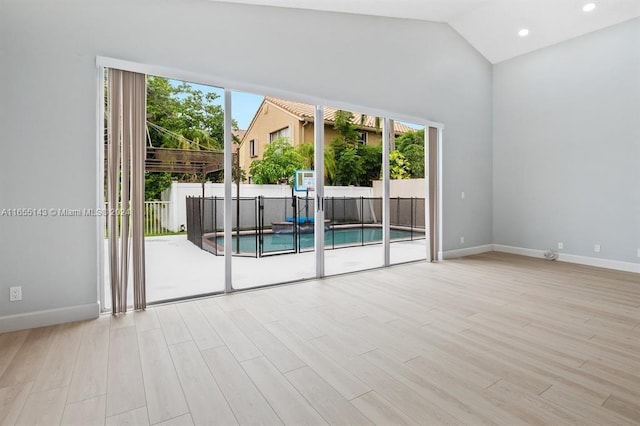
[(273, 214), (353, 212), (407, 194), (182, 214), (245, 190)]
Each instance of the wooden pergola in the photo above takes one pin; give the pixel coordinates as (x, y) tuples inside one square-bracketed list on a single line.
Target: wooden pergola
[(188, 161), (172, 160)]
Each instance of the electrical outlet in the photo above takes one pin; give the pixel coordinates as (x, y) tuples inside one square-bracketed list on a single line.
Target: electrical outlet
[(596, 248), (15, 294), (461, 240), (638, 252), (560, 245), (462, 195)]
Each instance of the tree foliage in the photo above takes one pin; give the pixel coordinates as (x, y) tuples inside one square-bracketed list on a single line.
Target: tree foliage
[(349, 169), (355, 163), (398, 166), (371, 163), (307, 154), (278, 164), (154, 184), (411, 146), (192, 119), (344, 125), (358, 164), (184, 111)]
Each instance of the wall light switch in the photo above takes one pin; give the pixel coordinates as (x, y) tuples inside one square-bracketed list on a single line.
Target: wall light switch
[(461, 240), (462, 195), (560, 245), (638, 252)]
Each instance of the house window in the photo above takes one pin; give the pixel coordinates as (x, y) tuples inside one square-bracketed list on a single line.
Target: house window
[(282, 133), (362, 137), (252, 148)]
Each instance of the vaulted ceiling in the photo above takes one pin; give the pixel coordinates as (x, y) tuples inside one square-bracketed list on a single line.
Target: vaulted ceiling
[(491, 26)]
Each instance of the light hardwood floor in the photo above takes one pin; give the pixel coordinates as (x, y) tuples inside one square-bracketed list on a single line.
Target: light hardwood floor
[(488, 339)]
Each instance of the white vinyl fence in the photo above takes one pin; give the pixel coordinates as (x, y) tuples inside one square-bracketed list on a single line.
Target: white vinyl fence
[(178, 192), (156, 218)]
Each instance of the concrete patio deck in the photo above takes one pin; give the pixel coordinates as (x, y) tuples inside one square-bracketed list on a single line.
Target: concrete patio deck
[(176, 268)]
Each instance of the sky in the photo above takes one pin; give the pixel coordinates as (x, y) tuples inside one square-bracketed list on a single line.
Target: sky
[(244, 105)]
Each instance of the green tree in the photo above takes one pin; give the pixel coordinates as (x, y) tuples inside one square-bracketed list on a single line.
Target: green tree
[(307, 154), (344, 125), (398, 166), (371, 163), (162, 108), (278, 164), (347, 162), (411, 145), (154, 184), (349, 168), (191, 116), (355, 163), (200, 118), (191, 120)]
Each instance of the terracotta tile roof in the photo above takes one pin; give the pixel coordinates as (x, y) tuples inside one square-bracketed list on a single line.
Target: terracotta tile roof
[(306, 111)]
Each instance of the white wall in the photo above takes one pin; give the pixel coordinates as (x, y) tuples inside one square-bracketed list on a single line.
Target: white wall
[(403, 188), (567, 146), (177, 194), (48, 96)]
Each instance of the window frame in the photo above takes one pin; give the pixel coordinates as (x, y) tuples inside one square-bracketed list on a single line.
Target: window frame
[(364, 137), (278, 132)]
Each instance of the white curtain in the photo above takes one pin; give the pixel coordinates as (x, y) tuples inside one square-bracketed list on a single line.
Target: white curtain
[(125, 186)]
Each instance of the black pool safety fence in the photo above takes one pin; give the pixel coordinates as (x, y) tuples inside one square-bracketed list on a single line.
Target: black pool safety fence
[(264, 226)]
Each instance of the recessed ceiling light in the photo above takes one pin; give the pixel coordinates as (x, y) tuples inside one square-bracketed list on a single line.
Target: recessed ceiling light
[(589, 7), (523, 32)]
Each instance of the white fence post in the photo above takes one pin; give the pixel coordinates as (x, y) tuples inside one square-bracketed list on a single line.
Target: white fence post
[(156, 217)]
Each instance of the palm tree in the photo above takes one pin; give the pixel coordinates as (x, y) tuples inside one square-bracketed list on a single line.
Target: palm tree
[(307, 152)]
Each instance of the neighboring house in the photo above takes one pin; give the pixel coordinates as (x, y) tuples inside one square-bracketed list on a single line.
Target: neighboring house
[(238, 134), (294, 120)]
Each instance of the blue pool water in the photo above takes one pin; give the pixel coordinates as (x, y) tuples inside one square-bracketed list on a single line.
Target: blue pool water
[(336, 237)]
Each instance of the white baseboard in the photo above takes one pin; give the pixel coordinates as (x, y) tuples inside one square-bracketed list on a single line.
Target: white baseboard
[(518, 250), (573, 258), (600, 263), (468, 251), (49, 317)]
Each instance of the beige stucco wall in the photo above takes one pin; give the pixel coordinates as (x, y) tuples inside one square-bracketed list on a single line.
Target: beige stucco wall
[(373, 138), (269, 119)]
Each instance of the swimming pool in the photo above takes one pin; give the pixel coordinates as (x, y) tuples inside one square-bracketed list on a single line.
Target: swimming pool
[(343, 237)]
